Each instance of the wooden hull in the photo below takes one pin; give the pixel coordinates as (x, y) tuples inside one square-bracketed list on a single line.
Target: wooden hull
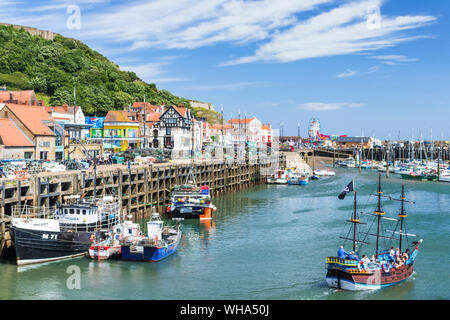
[(355, 281)]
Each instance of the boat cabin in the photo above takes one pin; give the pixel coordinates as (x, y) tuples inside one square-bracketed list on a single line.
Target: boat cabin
[(154, 228)]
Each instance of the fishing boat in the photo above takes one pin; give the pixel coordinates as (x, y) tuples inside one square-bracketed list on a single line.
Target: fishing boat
[(90, 213), (190, 201), (445, 176), (280, 176), (420, 176), (111, 246), (296, 178), (351, 272), (159, 243), (350, 163), (321, 172), (62, 232)]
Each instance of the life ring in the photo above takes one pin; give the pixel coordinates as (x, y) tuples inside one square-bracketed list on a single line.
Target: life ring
[(385, 267), (92, 238)]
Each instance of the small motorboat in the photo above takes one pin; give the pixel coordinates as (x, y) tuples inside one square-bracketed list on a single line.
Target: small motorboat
[(297, 179), (159, 243), (111, 247)]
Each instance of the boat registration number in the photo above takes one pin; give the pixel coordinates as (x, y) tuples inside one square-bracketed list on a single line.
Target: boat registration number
[(49, 236)]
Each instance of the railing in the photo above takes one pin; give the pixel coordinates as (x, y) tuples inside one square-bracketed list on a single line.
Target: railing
[(28, 212)]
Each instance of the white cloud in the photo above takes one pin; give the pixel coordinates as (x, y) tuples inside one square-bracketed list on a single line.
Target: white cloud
[(394, 59), (319, 106), (347, 73), (193, 24), (340, 31)]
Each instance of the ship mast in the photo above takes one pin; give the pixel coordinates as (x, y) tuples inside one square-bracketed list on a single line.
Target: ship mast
[(379, 212), (402, 215), (354, 221)]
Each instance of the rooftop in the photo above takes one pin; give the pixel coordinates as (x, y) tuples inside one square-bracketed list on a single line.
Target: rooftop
[(12, 136), (32, 117)]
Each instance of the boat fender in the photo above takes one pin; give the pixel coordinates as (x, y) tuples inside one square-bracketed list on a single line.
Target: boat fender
[(92, 238), (156, 240)]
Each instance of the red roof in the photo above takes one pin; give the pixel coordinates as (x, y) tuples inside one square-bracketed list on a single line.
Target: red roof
[(22, 97), (265, 127), (32, 117), (181, 110), (147, 105), (245, 120), (12, 136), (153, 117)]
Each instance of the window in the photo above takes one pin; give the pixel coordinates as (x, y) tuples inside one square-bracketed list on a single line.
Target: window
[(84, 212), (168, 131), (71, 211), (28, 155)]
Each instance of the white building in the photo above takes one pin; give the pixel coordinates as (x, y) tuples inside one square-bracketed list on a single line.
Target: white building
[(247, 130), (70, 118)]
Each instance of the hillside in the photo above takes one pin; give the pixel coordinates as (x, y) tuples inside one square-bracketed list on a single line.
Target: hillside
[(53, 68)]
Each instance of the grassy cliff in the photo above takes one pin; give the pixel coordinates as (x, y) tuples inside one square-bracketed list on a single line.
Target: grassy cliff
[(53, 68)]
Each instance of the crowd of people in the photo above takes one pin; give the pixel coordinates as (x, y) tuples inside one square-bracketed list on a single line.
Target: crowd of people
[(395, 259)]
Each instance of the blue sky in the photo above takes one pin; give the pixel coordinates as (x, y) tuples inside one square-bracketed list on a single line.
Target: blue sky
[(372, 67)]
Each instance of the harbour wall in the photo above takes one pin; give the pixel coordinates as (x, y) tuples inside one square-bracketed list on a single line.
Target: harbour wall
[(140, 186)]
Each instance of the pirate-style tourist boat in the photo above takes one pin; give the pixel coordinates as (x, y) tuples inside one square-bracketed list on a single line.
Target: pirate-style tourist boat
[(353, 271), (190, 201)]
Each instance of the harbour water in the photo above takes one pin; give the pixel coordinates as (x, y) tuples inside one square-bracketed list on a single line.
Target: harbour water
[(268, 242)]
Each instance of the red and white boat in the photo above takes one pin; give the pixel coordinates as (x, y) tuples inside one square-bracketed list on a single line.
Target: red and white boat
[(111, 248)]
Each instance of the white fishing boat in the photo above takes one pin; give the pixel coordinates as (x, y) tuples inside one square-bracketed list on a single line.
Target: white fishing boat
[(322, 172), (279, 177)]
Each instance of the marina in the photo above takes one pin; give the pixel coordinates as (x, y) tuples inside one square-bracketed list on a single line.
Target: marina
[(241, 222), (210, 158)]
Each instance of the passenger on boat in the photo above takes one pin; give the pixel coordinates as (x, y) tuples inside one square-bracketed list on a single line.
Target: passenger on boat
[(352, 256), (373, 264), (365, 260), (392, 254), (397, 253), (342, 254), (406, 254)]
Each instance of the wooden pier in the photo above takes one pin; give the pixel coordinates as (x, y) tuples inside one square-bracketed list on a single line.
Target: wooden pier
[(140, 187)]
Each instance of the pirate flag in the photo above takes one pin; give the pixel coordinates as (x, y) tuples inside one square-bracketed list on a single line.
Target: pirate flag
[(346, 190)]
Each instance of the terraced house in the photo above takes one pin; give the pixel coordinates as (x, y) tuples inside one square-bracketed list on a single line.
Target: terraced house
[(30, 124)]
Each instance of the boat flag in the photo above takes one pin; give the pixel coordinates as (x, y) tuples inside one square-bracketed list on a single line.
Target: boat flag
[(346, 190)]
